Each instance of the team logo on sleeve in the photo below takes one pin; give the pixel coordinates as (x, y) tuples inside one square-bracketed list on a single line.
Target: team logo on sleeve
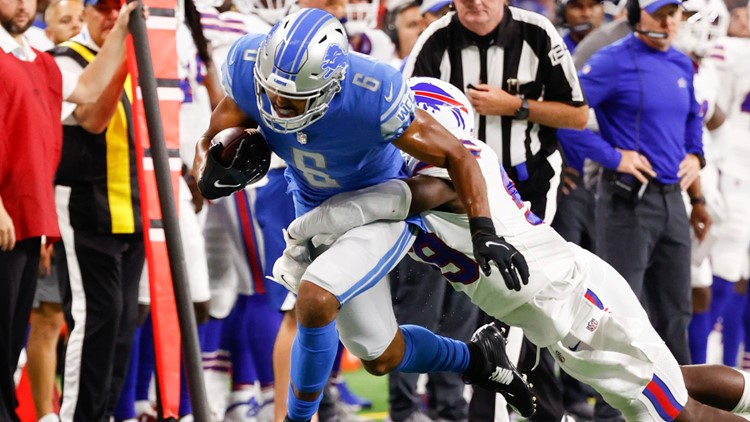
[(334, 59)]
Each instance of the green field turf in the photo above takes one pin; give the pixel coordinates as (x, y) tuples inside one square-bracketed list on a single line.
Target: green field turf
[(372, 388)]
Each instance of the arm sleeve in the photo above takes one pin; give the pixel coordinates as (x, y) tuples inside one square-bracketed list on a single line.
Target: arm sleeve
[(337, 215), (560, 80), (70, 71), (397, 105), (591, 145), (694, 128), (596, 78)]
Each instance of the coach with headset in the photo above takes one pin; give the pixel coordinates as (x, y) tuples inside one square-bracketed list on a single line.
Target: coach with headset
[(641, 89)]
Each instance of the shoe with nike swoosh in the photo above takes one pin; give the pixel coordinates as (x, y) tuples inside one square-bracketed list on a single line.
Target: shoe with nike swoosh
[(496, 372)]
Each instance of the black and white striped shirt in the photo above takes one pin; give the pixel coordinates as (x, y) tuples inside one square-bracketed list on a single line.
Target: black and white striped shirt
[(525, 46)]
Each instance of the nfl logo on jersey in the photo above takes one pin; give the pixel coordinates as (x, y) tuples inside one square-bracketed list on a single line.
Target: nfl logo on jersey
[(301, 138), (592, 325)]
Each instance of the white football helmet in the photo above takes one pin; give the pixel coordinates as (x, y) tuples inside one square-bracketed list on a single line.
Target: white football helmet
[(304, 57), (705, 22), (446, 103), (271, 11), (361, 15)]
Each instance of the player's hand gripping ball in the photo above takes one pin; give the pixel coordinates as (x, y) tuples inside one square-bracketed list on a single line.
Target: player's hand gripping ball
[(237, 157)]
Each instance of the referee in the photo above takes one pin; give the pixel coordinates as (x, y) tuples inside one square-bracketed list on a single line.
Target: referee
[(98, 207)]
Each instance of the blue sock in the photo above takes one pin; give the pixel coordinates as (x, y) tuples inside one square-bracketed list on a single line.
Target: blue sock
[(146, 362), (720, 290), (428, 352), (313, 352), (732, 332), (125, 408), (185, 408), (337, 362), (263, 326), (698, 331)]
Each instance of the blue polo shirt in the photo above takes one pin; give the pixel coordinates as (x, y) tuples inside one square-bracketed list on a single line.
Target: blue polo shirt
[(644, 101)]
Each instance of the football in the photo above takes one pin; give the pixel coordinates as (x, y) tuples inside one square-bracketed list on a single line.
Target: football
[(230, 140)]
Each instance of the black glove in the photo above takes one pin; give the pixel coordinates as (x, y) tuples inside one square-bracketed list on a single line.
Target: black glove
[(488, 247), (250, 164)]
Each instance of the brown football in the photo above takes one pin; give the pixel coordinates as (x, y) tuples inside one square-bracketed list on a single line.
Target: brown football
[(230, 139)]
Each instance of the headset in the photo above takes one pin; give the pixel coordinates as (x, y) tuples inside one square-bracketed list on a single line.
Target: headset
[(634, 16), (560, 12), (389, 26)]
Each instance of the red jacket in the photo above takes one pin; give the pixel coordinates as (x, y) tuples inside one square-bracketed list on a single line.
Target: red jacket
[(30, 142)]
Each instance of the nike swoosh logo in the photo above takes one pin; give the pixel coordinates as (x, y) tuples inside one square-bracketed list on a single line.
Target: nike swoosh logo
[(490, 243), (220, 185), (389, 97)]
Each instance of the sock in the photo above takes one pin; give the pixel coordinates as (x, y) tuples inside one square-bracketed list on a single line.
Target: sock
[(337, 362), (428, 352), (146, 362), (743, 406), (313, 352), (263, 322), (184, 408), (719, 296), (125, 408), (733, 332), (698, 331), (240, 353)]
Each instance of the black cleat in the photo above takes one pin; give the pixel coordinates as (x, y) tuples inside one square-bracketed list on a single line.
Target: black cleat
[(494, 371), (286, 419)]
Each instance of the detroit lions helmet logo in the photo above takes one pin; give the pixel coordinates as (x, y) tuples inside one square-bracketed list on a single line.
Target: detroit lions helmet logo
[(334, 59)]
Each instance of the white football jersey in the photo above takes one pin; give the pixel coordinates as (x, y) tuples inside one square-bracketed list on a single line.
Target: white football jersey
[(731, 56), (551, 260)]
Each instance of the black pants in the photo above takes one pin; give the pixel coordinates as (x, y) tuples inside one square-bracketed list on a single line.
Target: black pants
[(18, 274), (649, 244), (422, 296), (101, 303)]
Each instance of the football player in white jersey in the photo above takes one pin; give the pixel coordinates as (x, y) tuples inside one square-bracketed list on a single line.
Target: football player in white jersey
[(731, 57), (704, 23), (575, 304), (364, 36)]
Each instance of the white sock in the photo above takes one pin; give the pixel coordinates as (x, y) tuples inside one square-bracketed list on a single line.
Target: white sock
[(743, 406)]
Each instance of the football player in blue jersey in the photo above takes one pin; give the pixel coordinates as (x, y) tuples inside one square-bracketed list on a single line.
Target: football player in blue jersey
[(338, 120)]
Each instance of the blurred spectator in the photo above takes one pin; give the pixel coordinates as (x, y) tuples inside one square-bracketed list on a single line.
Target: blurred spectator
[(433, 10), (403, 24), (579, 18), (651, 148), (98, 202), (64, 19), (361, 27), (34, 88), (739, 18)]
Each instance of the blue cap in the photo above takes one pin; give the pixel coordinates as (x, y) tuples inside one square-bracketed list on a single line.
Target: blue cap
[(433, 6), (651, 6)]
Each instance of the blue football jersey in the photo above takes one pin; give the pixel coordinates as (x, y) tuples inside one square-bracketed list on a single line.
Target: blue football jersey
[(350, 146)]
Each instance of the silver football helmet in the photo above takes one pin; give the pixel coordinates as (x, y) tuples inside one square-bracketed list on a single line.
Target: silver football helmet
[(304, 57), (704, 22)]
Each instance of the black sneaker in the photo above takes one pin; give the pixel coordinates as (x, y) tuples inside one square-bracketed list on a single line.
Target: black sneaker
[(286, 419), (494, 371)]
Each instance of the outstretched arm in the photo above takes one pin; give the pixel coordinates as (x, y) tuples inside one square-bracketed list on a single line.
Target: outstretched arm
[(428, 141), (392, 200)]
